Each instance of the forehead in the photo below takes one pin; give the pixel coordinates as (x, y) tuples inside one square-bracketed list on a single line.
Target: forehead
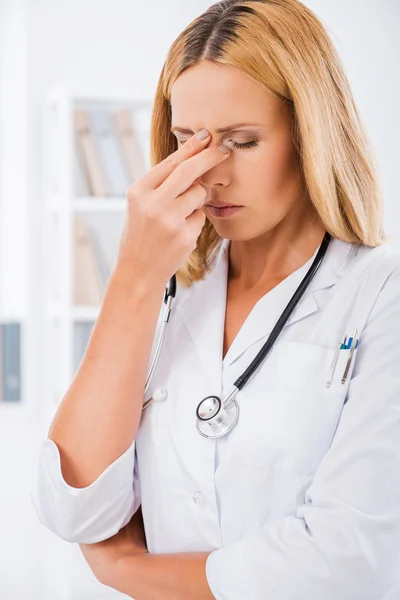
[(215, 94)]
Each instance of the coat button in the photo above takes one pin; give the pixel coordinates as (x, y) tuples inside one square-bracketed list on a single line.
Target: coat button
[(159, 394), (198, 498)]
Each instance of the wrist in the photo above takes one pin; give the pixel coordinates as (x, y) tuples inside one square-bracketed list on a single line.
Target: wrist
[(130, 280)]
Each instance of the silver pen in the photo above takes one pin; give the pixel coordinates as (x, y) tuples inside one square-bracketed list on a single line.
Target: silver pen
[(334, 361), (351, 352)]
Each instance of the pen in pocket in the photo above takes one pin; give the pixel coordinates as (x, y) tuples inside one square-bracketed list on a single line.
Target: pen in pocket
[(350, 344), (353, 345)]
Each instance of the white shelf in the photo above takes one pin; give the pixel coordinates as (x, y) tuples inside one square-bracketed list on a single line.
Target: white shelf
[(85, 313), (66, 325), (74, 313), (89, 204), (15, 410)]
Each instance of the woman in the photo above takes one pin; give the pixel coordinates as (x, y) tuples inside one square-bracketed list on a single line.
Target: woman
[(301, 497)]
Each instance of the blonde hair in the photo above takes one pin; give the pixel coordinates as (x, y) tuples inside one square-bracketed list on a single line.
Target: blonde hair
[(283, 45)]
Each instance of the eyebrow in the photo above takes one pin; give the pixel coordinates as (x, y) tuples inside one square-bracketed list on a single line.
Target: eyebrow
[(219, 130)]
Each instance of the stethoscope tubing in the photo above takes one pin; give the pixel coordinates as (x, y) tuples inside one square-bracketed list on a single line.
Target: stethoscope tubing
[(213, 405)]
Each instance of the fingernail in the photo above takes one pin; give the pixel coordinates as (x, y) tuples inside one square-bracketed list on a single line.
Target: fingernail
[(224, 149), (202, 134)]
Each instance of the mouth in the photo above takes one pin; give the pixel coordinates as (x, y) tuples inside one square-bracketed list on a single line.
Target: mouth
[(223, 211), (222, 205)]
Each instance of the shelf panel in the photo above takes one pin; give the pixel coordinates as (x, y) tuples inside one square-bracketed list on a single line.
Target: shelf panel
[(85, 313), (75, 313), (89, 204), (15, 410), (94, 204)]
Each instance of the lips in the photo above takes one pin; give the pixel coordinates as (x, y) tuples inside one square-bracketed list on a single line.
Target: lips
[(222, 205)]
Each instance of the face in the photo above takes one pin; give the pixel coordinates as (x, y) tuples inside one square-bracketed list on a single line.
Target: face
[(261, 173)]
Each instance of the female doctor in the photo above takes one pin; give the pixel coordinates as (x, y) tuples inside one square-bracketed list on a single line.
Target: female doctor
[(281, 485)]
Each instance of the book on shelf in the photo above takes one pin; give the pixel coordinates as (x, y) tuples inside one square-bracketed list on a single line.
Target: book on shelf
[(109, 156), (88, 283), (103, 265), (81, 181), (110, 150), (96, 248), (10, 362), (92, 163), (129, 137)]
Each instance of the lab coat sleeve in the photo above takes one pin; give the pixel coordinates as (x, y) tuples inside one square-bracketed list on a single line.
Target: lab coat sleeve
[(344, 541), (90, 514), (96, 512)]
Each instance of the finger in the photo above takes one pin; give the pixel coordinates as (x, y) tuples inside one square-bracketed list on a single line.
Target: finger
[(158, 174), (190, 170), (196, 221), (193, 199)]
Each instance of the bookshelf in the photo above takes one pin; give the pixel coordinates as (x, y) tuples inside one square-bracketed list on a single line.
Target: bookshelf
[(94, 145)]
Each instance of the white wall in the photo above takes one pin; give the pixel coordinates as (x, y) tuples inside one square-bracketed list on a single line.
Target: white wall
[(13, 127), (366, 34), (120, 41)]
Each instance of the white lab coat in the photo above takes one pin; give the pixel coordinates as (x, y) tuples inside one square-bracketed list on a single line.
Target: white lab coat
[(300, 500)]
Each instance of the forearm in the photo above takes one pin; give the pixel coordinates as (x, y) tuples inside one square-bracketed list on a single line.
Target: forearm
[(163, 577), (100, 413)]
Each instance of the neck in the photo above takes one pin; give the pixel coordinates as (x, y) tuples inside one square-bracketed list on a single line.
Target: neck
[(273, 256)]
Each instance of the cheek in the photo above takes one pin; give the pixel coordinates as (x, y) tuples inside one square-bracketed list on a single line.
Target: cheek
[(280, 166), (275, 183)]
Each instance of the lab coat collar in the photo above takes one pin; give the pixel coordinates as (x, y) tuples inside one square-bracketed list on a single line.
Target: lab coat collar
[(203, 311)]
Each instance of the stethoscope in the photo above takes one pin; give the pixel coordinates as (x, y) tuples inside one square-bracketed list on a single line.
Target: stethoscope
[(216, 417)]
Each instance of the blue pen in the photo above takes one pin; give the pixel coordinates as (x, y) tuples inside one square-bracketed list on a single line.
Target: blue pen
[(346, 345)]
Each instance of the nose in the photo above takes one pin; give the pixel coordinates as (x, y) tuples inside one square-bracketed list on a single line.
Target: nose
[(216, 176)]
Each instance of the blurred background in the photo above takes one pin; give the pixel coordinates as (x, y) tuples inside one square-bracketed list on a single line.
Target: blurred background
[(77, 79)]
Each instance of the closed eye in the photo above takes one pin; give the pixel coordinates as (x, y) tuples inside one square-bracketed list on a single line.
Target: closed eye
[(245, 144), (242, 146)]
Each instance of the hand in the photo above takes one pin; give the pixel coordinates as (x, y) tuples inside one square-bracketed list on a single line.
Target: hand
[(103, 557), (164, 215)]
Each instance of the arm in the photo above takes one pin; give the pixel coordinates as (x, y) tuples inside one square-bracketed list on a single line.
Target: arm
[(162, 577), (87, 485), (344, 542), (100, 413)]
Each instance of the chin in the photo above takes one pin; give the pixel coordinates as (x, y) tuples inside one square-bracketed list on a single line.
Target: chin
[(239, 232), (233, 233)]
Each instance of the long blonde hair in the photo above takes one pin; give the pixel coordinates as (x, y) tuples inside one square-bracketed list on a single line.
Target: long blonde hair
[(283, 45)]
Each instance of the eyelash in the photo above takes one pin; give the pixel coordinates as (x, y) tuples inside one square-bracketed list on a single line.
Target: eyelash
[(243, 146)]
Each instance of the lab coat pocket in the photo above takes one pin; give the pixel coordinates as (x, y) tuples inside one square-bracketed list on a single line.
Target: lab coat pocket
[(299, 414)]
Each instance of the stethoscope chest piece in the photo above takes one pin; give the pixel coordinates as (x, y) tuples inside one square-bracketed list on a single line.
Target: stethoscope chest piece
[(214, 419)]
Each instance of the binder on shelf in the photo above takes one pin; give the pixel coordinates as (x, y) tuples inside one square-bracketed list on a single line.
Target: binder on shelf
[(102, 262), (81, 182), (91, 159), (110, 149), (142, 120), (129, 139), (107, 230), (10, 355), (88, 288)]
